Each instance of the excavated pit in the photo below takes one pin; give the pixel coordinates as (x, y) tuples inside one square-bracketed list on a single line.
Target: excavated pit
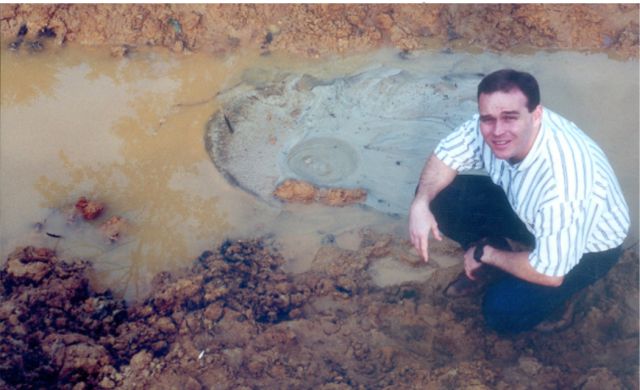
[(234, 319)]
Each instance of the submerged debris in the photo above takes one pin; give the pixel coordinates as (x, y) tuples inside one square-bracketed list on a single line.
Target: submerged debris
[(15, 45), (90, 209), (120, 51), (23, 30), (46, 32), (114, 228), (84, 215), (33, 45)]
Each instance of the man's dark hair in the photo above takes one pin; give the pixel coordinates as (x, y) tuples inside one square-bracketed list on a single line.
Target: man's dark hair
[(506, 80)]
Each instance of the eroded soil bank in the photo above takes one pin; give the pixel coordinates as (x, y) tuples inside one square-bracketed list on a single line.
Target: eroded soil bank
[(315, 30), (235, 320)]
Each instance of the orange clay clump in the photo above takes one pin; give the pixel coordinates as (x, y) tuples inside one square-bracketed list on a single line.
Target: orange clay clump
[(90, 209), (298, 191)]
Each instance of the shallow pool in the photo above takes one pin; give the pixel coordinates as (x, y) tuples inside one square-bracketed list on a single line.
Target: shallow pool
[(129, 132)]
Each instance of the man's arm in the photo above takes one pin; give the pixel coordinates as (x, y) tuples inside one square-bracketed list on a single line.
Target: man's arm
[(515, 263), (434, 178)]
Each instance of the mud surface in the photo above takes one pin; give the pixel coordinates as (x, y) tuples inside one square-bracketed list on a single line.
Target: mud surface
[(235, 320), (317, 30), (368, 130)]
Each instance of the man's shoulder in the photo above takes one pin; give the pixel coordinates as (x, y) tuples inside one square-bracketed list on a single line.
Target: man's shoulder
[(555, 121), (563, 131)]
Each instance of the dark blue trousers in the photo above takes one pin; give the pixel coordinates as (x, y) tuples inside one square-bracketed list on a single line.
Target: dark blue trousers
[(472, 208)]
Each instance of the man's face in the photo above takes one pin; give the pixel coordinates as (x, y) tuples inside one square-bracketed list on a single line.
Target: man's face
[(507, 125)]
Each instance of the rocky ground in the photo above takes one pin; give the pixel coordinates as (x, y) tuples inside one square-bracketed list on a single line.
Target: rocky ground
[(235, 320), (315, 30)]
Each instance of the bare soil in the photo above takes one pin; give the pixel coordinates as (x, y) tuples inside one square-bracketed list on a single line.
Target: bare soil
[(315, 30), (235, 320)]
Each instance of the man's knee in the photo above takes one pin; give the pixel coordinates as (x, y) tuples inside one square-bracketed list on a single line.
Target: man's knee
[(511, 312), (497, 315)]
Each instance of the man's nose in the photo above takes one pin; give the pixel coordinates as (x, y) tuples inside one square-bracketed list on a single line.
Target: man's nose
[(499, 128)]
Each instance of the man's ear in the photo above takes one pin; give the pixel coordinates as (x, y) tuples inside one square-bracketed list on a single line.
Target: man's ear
[(537, 114)]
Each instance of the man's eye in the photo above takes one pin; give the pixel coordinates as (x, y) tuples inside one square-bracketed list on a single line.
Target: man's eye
[(510, 118), (487, 120)]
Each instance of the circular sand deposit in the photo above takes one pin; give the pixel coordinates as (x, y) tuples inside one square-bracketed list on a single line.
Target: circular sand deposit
[(371, 130), (322, 160)]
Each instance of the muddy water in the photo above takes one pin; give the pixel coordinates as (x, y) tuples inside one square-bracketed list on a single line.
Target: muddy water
[(129, 132)]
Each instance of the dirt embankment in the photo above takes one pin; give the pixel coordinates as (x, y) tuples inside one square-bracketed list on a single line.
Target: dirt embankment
[(235, 320), (316, 30)]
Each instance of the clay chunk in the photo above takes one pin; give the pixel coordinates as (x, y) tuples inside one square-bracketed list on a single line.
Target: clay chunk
[(89, 209), (298, 191)]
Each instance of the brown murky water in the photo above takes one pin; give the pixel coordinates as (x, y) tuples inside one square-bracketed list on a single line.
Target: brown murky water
[(129, 132)]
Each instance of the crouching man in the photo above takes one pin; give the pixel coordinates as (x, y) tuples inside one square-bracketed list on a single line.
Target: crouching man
[(549, 219)]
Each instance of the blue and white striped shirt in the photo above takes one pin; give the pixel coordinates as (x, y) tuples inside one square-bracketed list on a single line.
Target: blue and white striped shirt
[(565, 190)]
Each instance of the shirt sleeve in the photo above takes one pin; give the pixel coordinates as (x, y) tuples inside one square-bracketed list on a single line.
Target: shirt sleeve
[(559, 245), (461, 150)]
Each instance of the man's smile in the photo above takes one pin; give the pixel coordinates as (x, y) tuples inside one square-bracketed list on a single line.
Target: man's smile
[(500, 144)]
